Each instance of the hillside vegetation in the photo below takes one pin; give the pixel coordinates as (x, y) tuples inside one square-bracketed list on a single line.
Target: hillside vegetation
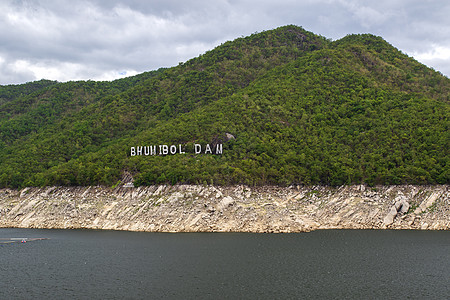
[(302, 110)]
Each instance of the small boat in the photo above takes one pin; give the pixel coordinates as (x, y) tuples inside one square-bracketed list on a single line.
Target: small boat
[(19, 240)]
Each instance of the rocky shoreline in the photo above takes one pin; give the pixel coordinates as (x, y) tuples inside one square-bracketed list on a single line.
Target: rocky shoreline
[(197, 208)]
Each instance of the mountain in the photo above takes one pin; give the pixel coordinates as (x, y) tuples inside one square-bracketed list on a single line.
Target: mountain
[(287, 106)]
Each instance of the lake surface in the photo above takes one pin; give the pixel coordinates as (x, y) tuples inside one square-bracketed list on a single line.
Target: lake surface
[(326, 264)]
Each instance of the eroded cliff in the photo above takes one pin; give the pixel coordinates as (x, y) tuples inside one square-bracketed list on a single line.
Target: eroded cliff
[(188, 208)]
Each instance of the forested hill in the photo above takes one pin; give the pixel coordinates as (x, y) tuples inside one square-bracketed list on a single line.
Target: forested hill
[(288, 106)]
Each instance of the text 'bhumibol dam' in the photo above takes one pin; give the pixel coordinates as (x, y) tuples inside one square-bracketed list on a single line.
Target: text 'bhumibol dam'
[(175, 149)]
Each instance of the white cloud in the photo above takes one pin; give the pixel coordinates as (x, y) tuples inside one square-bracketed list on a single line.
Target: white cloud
[(63, 71), (87, 40), (438, 57), (436, 52), (91, 39), (111, 75), (367, 16)]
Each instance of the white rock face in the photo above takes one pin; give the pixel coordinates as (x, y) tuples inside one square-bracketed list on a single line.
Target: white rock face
[(226, 201), (187, 208), (428, 202), (400, 207)]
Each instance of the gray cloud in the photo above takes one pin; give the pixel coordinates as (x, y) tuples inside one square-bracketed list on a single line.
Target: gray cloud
[(105, 39)]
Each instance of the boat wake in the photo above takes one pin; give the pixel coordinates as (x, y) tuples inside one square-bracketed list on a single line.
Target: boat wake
[(19, 240)]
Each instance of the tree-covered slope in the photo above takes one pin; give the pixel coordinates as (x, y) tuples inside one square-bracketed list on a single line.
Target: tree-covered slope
[(302, 109)]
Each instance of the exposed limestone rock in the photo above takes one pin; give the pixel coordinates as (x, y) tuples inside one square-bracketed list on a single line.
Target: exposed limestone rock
[(227, 201), (187, 208), (428, 202), (229, 136), (399, 208)]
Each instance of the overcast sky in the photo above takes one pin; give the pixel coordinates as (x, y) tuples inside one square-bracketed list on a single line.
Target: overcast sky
[(107, 39)]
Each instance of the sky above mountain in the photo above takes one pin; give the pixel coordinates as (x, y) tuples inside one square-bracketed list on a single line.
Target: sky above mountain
[(107, 39)]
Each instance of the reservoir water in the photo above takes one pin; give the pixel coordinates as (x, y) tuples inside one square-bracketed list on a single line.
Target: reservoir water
[(325, 264)]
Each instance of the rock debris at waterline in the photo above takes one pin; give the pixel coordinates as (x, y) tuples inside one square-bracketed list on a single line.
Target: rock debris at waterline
[(195, 208)]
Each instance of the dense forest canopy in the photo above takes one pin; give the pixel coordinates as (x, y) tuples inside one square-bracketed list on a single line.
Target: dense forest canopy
[(300, 109)]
